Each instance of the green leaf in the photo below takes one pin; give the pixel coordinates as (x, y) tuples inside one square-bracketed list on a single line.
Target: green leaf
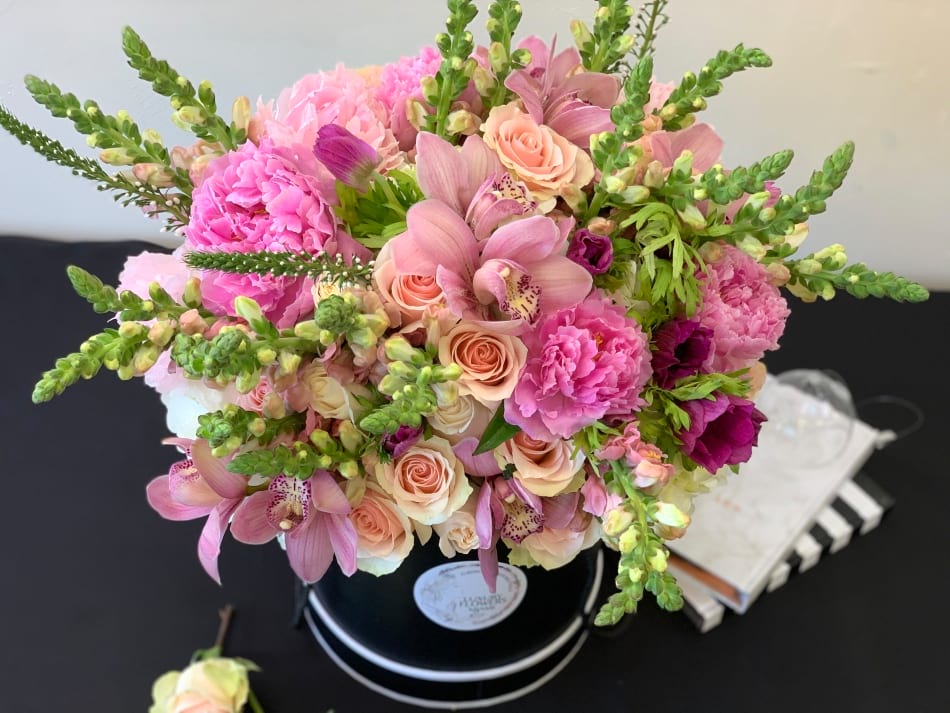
[(497, 432)]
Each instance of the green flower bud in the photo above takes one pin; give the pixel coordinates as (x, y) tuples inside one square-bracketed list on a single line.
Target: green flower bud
[(246, 381), (257, 427), (670, 515), (350, 436), (497, 57), (192, 293), (161, 332), (125, 372), (657, 561), (391, 385), (307, 330), (248, 309), (132, 330), (116, 157), (521, 57), (581, 33), (628, 540), (827, 291), (692, 217), (462, 122), (145, 358), (613, 184), (266, 356), (398, 348), (321, 439), (485, 82), (617, 521), (241, 112), (808, 266), (635, 574), (655, 175), (430, 89), (683, 165), (623, 44), (288, 363), (189, 116), (151, 136), (349, 469), (633, 195), (402, 370)]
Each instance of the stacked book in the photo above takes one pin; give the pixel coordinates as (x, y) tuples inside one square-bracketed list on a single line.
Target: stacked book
[(774, 519)]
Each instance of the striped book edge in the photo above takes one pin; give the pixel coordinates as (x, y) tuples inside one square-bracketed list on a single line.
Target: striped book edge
[(857, 509)]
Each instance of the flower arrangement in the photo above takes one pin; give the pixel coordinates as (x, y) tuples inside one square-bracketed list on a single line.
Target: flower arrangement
[(500, 294)]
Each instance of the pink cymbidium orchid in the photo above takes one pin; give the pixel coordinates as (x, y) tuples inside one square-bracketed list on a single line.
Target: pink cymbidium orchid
[(471, 181), (514, 276), (199, 485), (312, 514), (558, 93), (504, 510)]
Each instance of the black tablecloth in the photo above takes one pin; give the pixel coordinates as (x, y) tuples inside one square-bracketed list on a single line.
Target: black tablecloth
[(99, 595)]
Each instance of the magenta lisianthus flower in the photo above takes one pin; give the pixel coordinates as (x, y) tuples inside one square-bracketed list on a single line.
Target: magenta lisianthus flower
[(402, 440), (559, 94), (342, 96), (584, 363), (683, 348), (350, 159), (399, 82), (745, 312), (722, 431), (258, 199), (593, 252)]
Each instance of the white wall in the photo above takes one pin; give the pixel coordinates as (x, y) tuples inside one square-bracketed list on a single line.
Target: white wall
[(870, 70)]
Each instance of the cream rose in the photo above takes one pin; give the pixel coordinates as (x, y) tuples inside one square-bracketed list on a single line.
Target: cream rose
[(544, 468), (412, 295), (462, 418), (553, 548), (490, 362), (383, 533), (427, 482), (546, 161), (210, 686), (326, 395), (457, 534)]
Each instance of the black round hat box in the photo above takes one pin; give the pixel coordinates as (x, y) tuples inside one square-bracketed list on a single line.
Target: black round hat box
[(373, 629)]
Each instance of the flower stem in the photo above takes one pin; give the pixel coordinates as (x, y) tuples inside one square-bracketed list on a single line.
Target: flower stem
[(225, 615)]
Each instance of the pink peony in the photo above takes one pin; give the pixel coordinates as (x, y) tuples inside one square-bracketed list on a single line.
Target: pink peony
[(342, 96), (264, 198), (584, 363), (398, 83), (141, 270), (746, 313)]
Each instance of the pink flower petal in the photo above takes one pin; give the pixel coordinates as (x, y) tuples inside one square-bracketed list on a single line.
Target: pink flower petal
[(209, 542), (437, 236), (327, 494), (309, 549), (250, 524), (343, 539), (224, 482), (481, 465), (560, 510), (440, 170), (595, 495), (528, 89), (481, 162), (579, 121), (526, 241), (563, 283), (160, 499), (484, 521), (704, 143), (488, 561)]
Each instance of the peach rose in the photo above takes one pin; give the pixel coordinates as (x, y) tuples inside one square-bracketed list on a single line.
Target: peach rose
[(544, 468), (427, 482), (552, 548), (412, 295), (324, 394), (457, 534), (383, 533), (546, 161), (490, 362), (460, 419)]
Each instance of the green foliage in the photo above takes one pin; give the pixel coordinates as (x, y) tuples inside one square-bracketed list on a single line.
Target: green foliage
[(127, 190), (299, 460), (114, 349), (496, 432), (416, 385), (821, 274), (703, 386), (324, 268), (503, 19), (231, 427), (456, 46), (604, 48), (195, 110), (379, 214), (690, 96), (643, 556), (723, 189), (650, 19)]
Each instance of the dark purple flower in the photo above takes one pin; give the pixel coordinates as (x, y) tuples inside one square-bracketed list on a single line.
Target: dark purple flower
[(722, 431), (350, 159), (401, 441), (683, 348), (591, 251)]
